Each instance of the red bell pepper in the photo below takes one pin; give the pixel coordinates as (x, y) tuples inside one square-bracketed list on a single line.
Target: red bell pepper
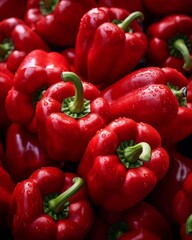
[(182, 208), (16, 41), (68, 115), (23, 153), (6, 189), (37, 72), (153, 95), (189, 92), (10, 8), (128, 5), (6, 83), (60, 17), (106, 50), (142, 221), (122, 164), (49, 205), (163, 194), (159, 7), (170, 42)]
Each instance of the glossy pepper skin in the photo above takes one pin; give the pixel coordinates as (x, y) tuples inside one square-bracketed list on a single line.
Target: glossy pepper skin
[(23, 153), (6, 189), (142, 221), (16, 41), (115, 49), (68, 115), (60, 16), (170, 42), (6, 83), (161, 8), (50, 204), (153, 95), (122, 164), (37, 72), (182, 208)]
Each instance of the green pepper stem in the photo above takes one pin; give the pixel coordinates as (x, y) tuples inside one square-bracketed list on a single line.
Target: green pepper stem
[(180, 94), (6, 47), (76, 106), (127, 21), (57, 204), (188, 225), (180, 45), (47, 6)]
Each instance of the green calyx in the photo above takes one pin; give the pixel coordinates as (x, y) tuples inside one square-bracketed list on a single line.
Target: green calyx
[(125, 24), (132, 155), (180, 94), (37, 95), (76, 106), (188, 225), (47, 6), (57, 205), (180, 47), (116, 230), (6, 47)]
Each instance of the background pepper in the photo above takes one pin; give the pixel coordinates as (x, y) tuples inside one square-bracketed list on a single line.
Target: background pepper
[(60, 17), (123, 163), (170, 42), (16, 41), (115, 48), (37, 72), (24, 153), (68, 115), (50, 204)]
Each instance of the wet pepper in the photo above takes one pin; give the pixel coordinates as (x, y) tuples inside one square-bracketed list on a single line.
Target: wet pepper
[(142, 221), (49, 205), (122, 164), (153, 95), (111, 39), (60, 17), (37, 72), (23, 153), (68, 115), (16, 41), (170, 42)]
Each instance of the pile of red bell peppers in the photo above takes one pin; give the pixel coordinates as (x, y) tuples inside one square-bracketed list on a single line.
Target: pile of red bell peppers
[(96, 120)]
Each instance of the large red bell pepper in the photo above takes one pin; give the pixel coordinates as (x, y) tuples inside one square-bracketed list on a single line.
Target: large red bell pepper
[(122, 164), (153, 95), (160, 8), (23, 153), (68, 115), (106, 50), (60, 17), (142, 221), (170, 42), (37, 72), (6, 189), (182, 208), (49, 205), (16, 41)]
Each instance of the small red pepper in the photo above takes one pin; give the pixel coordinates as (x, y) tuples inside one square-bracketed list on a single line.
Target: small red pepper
[(142, 221), (182, 208), (160, 8), (16, 41), (6, 83), (123, 163), (170, 42), (153, 95), (23, 153), (6, 189), (57, 16), (115, 48), (49, 205), (37, 72), (68, 116)]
